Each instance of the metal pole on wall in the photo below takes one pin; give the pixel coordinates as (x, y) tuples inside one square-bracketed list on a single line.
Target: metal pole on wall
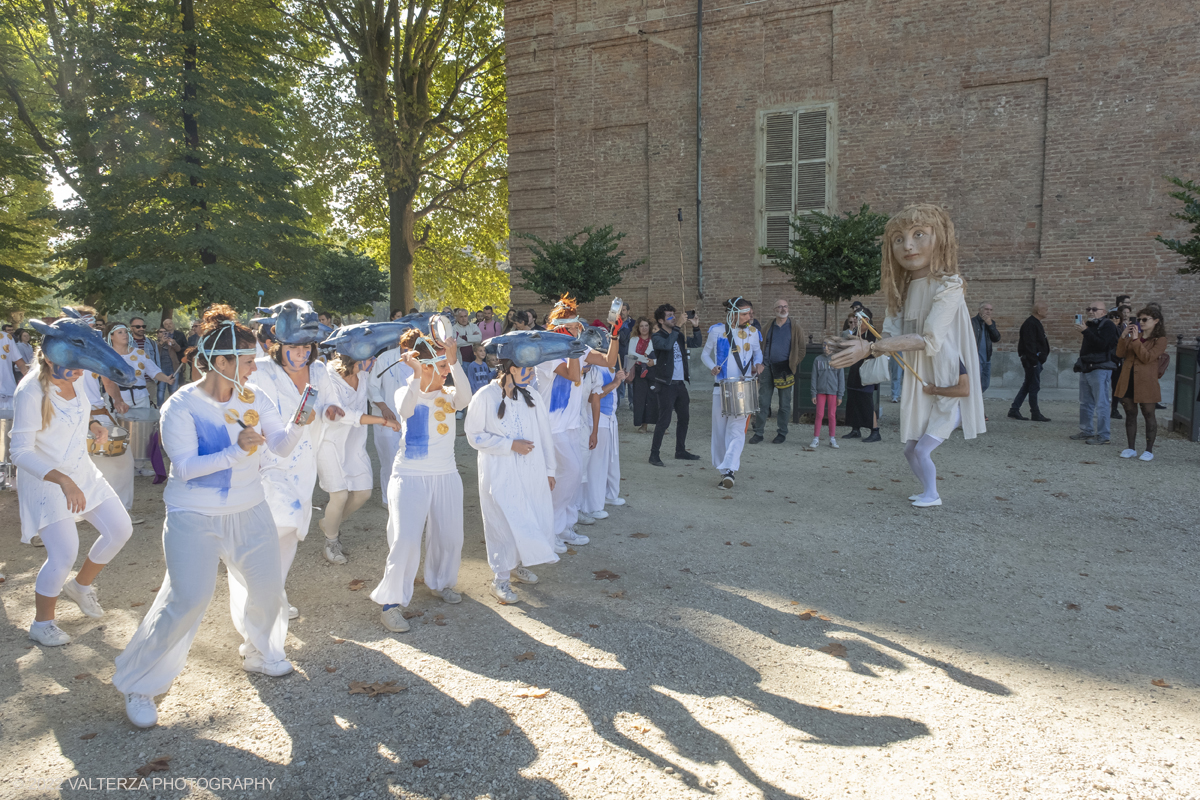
[(699, 147), (682, 275)]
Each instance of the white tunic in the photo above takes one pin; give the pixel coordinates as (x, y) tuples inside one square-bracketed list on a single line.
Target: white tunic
[(117, 470), (342, 461), (936, 309), (514, 494), (62, 446), (388, 377), (9, 355), (428, 446), (563, 398), (138, 396), (289, 480)]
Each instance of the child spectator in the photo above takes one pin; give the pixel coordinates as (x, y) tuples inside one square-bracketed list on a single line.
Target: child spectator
[(479, 372), (828, 389)]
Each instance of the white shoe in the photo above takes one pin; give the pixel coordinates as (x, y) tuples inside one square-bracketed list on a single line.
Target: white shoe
[(918, 503), (833, 443), (50, 635), (585, 519), (333, 551), (275, 669), (449, 595), (816, 442), (727, 479), (573, 538), (1128, 453), (557, 546), (84, 597), (36, 541), (523, 575), (136, 520), (913, 497), (620, 501), (141, 710), (145, 472), (502, 591), (393, 619), (1146, 456), (293, 612), (598, 514)]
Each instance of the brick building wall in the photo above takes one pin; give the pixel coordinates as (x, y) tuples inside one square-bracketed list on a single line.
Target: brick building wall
[(1044, 126)]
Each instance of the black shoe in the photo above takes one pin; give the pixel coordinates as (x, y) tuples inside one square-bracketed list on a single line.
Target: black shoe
[(686, 456), (854, 434), (1037, 416), (656, 461), (1015, 414), (874, 437), (779, 439), (1115, 415), (755, 439), (726, 480), (1161, 406)]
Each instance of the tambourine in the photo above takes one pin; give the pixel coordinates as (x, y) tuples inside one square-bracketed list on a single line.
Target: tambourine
[(614, 311), (440, 330)]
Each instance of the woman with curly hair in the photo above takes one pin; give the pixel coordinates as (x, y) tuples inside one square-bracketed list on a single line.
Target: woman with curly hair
[(1141, 345)]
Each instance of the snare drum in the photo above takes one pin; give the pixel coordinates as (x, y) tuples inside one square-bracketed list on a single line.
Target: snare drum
[(117, 444), (140, 422), (739, 398)]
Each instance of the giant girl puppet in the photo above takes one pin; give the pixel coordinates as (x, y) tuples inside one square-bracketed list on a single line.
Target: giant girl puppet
[(929, 327), (56, 481)]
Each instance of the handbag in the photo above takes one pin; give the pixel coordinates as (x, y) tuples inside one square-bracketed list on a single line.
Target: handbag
[(875, 370), (782, 376)]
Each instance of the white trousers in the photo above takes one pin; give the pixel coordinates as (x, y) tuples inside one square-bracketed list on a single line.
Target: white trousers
[(567, 494), (728, 437), (433, 503), (193, 544), (387, 443), (62, 544), (239, 593), (603, 471)]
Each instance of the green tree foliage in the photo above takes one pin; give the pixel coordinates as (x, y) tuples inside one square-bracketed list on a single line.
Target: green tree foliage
[(833, 258), (1189, 195), (585, 270), (25, 229), (345, 282)]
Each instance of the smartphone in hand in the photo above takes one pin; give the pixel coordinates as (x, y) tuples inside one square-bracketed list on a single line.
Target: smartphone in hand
[(1079, 319)]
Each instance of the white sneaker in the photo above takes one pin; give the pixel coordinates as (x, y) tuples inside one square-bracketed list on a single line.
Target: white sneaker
[(727, 479), (620, 501), (136, 520), (573, 538), (275, 669), (503, 592), (816, 442), (449, 595), (558, 546), (50, 635), (585, 519), (1146, 456), (293, 612), (333, 552), (393, 619), (141, 710), (598, 514), (833, 443), (523, 575), (919, 503), (84, 597), (1128, 453)]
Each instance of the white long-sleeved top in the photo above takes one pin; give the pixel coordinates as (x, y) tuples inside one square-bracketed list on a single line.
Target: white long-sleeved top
[(61, 445), (342, 461), (428, 445), (601, 377), (717, 352), (493, 436), (389, 376), (563, 398), (143, 366), (210, 473), (9, 355)]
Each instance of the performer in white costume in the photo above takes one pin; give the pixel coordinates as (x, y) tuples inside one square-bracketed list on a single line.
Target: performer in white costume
[(426, 490), (9, 357), (215, 431), (929, 325), (731, 352), (136, 396), (389, 376), (342, 462), (604, 467), (57, 482), (510, 428)]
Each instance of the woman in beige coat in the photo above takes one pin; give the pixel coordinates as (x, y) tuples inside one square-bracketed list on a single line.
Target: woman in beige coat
[(1140, 346)]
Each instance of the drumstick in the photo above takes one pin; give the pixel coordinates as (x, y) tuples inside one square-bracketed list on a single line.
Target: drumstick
[(897, 356)]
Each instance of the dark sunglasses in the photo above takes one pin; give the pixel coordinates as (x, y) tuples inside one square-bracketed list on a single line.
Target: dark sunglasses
[(138, 327), (1093, 308), (1146, 319)]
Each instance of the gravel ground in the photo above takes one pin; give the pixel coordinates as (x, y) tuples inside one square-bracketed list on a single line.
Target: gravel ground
[(1034, 637)]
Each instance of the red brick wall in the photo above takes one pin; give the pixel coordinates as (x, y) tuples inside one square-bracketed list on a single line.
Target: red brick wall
[(1044, 126)]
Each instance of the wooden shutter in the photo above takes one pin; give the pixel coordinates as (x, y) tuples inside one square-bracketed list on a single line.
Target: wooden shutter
[(795, 171)]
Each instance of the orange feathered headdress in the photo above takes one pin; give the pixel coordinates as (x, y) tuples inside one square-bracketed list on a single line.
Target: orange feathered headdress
[(565, 311)]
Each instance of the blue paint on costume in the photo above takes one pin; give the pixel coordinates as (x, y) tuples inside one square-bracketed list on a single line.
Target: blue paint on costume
[(560, 393), (608, 403), (723, 357), (212, 439), (416, 433)]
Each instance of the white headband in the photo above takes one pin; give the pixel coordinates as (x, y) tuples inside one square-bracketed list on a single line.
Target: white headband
[(234, 351)]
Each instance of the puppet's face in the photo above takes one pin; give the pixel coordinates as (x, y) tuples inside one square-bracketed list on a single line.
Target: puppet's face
[(913, 248)]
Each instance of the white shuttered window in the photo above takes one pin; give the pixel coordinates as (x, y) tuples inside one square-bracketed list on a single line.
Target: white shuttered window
[(797, 167)]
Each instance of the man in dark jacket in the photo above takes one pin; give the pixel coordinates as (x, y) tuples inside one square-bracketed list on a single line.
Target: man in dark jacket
[(986, 334), (1095, 368), (1033, 348), (668, 380), (783, 349)]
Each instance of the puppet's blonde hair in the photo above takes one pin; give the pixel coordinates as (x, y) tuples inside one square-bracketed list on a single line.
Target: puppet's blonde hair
[(895, 277)]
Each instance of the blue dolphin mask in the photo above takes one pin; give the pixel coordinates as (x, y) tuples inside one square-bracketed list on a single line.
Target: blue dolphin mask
[(72, 344), (595, 338), (294, 322), (530, 348), (365, 339)]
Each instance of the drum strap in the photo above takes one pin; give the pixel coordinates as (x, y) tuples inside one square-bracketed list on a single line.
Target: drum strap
[(733, 348)]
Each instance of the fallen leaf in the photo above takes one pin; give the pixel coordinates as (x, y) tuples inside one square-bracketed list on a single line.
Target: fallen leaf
[(795, 603), (339, 641), (571, 551), (604, 575), (787, 522), (680, 475), (357, 584), (835, 551), (1089, 462), (160, 764), (1113, 608), (1072, 606), (83, 676), (156, 588), (526, 656), (639, 536), (870, 461), (685, 569), (824, 618), (575, 635), (531, 692), (505, 732), (1039, 480), (747, 544), (792, 502), (593, 625), (1083, 575), (375, 689), (617, 595), (834, 649), (806, 616), (135, 605), (89, 736), (413, 614), (727, 497), (1002, 499), (420, 762), (1160, 683), (901, 601), (849, 472), (895, 480), (440, 622), (1059, 494), (874, 489), (770, 491), (331, 669), (729, 543)]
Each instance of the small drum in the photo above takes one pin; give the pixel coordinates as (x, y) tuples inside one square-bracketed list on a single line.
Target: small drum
[(117, 444), (140, 423), (739, 397)]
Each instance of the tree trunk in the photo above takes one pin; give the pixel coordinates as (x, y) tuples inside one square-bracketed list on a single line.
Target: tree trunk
[(191, 128), (402, 247)]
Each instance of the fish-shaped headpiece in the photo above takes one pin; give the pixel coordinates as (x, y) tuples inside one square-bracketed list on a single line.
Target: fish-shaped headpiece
[(71, 343), (293, 322), (530, 348)]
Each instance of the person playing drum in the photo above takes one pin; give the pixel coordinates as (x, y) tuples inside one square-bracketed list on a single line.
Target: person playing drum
[(732, 353)]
